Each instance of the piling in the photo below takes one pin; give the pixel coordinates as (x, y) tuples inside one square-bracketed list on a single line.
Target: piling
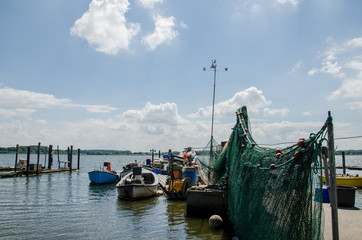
[(28, 162), (58, 157), (78, 158), (71, 158), (50, 158), (16, 157), (343, 163), (38, 159)]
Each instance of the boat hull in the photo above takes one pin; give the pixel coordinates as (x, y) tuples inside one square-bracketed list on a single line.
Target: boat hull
[(144, 186), (135, 191), (348, 181), (102, 177)]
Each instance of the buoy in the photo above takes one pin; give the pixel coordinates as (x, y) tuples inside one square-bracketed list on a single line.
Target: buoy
[(279, 154), (242, 145), (215, 221), (253, 144), (300, 142), (278, 150), (258, 166), (245, 134), (297, 155), (272, 166)]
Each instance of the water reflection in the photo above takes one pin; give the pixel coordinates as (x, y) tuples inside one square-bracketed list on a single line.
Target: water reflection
[(98, 192)]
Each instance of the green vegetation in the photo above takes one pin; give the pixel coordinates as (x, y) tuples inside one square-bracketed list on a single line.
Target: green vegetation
[(349, 152), (44, 149)]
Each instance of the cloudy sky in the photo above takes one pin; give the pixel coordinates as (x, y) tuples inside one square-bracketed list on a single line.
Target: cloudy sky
[(128, 75)]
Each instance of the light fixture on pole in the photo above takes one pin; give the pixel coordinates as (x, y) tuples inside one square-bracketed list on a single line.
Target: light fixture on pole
[(213, 66)]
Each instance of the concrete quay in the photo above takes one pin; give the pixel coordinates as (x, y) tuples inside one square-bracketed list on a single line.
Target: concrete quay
[(349, 221)]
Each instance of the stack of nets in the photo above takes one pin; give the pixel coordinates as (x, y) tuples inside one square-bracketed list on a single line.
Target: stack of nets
[(270, 191)]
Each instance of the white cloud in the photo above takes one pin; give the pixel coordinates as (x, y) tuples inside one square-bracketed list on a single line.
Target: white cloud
[(25, 101), (293, 2), (355, 42), (297, 66), (163, 32), (351, 87), (251, 97), (16, 113), (152, 126), (350, 71), (273, 112), (285, 131), (104, 26), (330, 65), (355, 105), (308, 113), (10, 98), (183, 25), (149, 3)]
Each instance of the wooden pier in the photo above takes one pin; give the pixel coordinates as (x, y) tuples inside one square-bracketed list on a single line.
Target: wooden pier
[(23, 167), (21, 173)]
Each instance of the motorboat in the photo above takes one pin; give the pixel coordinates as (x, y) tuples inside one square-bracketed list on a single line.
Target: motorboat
[(138, 184), (103, 175)]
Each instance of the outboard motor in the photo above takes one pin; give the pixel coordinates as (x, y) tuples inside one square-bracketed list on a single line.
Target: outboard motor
[(137, 174)]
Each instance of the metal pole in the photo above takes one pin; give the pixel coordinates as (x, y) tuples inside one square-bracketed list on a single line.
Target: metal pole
[(332, 181), (213, 65)]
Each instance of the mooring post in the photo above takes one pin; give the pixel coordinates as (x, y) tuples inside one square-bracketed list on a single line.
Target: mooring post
[(78, 158), (71, 158), (28, 162), (38, 159), (45, 157), (50, 158), (332, 186), (343, 163), (58, 157), (16, 157), (159, 154)]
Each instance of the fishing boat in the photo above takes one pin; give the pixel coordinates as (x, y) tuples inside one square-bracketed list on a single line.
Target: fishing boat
[(138, 184), (103, 176), (348, 180)]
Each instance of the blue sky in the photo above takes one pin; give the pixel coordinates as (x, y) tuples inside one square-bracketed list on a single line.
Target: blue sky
[(127, 75)]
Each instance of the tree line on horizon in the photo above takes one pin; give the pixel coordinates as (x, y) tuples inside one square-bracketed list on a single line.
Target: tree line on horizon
[(45, 150)]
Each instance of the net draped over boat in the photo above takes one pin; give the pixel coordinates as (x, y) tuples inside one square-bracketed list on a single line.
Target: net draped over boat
[(270, 191)]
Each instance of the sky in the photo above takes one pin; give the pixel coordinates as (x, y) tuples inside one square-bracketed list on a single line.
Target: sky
[(128, 75)]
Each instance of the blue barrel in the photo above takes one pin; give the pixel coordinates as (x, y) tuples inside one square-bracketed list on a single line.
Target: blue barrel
[(192, 174), (156, 170)]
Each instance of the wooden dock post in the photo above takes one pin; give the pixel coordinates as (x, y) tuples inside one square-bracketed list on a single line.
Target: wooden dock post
[(38, 159), (45, 157), (16, 157), (333, 187), (343, 163), (153, 154), (78, 158), (71, 159), (50, 158), (58, 157), (28, 162)]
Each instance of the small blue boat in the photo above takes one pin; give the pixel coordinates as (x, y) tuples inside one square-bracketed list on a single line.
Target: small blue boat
[(103, 176)]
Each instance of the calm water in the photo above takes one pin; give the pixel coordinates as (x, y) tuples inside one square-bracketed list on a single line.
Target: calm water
[(66, 206)]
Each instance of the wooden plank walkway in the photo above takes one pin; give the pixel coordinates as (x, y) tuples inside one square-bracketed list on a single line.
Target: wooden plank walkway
[(33, 173)]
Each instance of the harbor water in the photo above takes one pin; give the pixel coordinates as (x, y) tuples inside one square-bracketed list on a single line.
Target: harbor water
[(66, 206)]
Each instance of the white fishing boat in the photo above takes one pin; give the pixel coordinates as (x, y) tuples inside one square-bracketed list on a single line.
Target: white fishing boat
[(138, 184)]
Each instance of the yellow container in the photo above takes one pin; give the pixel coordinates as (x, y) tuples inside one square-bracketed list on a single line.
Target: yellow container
[(176, 185)]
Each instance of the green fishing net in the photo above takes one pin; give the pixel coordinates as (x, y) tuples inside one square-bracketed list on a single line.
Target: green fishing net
[(271, 192)]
